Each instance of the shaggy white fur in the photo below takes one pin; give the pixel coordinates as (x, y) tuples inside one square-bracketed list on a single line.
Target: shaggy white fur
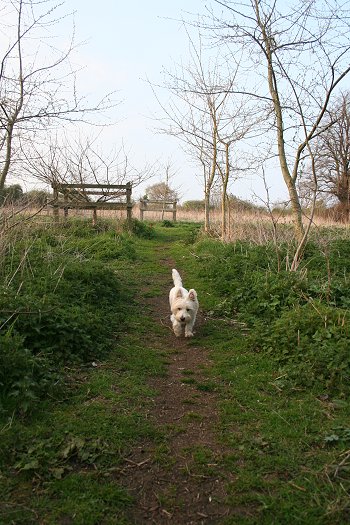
[(183, 305)]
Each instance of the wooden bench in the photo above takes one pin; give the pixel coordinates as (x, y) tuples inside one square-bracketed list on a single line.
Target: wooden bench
[(161, 206), (77, 196)]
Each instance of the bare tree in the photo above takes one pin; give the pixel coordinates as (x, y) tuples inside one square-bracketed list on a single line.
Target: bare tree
[(187, 117), (206, 118), (235, 125), (82, 160), (161, 191), (170, 173), (37, 83), (333, 155), (295, 56)]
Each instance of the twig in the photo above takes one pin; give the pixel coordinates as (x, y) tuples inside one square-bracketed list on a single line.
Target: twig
[(25, 218), (297, 486), (8, 424), (137, 464), (343, 461)]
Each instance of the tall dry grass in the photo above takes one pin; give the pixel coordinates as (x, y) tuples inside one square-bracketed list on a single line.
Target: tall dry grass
[(255, 225)]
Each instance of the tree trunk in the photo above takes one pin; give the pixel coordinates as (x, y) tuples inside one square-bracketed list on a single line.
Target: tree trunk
[(288, 179), (5, 169), (207, 210), (225, 178), (211, 178)]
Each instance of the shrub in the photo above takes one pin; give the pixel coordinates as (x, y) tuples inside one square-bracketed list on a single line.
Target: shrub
[(138, 228), (311, 343), (60, 302), (23, 376), (104, 247), (194, 205), (299, 318), (167, 224), (246, 278)]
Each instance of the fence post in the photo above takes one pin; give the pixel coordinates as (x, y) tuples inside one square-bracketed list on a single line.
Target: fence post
[(141, 210), (66, 202), (94, 217), (174, 211), (56, 211), (128, 201)]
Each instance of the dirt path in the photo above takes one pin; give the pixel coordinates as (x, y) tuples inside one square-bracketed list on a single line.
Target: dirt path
[(179, 479)]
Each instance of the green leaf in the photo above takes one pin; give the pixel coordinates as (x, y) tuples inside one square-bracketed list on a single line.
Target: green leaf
[(332, 438)]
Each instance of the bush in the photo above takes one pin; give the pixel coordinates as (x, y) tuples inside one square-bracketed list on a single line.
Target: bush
[(311, 343), (61, 302), (194, 205), (104, 247), (245, 277), (167, 224), (299, 318), (23, 376), (139, 228)]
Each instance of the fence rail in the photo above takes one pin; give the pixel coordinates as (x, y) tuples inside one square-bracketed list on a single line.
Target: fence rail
[(77, 196), (161, 206)]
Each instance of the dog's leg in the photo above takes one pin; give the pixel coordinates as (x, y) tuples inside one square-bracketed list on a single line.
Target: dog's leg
[(177, 327), (189, 328)]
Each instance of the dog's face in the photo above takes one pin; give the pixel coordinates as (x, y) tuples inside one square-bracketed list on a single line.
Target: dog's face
[(184, 306)]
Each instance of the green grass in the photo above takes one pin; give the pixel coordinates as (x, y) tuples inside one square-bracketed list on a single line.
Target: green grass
[(276, 429), (67, 446), (285, 442)]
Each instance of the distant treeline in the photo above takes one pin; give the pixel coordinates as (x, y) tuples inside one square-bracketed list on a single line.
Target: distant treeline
[(234, 203), (14, 194), (332, 211)]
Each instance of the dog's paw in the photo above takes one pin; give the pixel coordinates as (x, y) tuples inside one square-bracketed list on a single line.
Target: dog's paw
[(189, 334)]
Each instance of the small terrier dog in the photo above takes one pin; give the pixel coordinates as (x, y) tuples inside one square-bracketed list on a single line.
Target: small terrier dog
[(184, 307)]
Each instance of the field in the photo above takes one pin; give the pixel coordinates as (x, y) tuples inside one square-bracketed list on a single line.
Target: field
[(107, 418)]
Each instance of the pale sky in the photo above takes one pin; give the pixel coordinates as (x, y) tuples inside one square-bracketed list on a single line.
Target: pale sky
[(126, 43)]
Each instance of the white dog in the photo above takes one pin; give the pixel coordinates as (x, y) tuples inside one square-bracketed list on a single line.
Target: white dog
[(183, 305)]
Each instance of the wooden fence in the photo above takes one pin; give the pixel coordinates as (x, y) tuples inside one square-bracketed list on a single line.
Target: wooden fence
[(160, 206), (78, 196)]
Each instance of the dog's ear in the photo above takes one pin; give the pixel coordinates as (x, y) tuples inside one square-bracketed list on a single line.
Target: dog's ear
[(192, 295), (179, 293)]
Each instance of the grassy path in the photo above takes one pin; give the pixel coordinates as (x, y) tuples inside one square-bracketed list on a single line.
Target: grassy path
[(175, 431), (238, 446), (179, 477)]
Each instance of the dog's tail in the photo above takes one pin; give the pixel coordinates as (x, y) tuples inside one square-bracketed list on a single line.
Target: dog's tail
[(176, 278)]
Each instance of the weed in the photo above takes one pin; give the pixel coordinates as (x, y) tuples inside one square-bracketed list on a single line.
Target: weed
[(311, 343), (50, 458), (139, 228), (167, 224), (51, 301), (340, 434), (300, 319), (281, 386)]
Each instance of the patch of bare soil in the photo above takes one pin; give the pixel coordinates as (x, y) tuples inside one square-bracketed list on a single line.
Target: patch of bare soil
[(179, 480)]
